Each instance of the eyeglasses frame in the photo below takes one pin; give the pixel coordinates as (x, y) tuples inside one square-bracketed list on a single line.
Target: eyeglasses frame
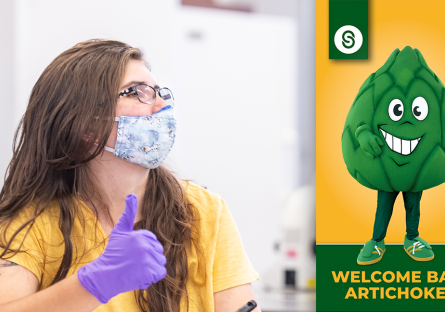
[(156, 91)]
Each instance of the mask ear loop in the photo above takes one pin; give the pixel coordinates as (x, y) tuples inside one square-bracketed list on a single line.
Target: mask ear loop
[(109, 149)]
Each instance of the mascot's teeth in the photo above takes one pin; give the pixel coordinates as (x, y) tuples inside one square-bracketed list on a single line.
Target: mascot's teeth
[(398, 145)]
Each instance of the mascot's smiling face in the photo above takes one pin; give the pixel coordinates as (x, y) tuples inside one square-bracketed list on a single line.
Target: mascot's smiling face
[(409, 124)]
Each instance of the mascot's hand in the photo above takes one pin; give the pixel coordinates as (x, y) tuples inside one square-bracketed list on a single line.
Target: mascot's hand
[(370, 144)]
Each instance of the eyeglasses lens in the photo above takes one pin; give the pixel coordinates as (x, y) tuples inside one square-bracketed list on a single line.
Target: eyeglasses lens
[(146, 94), (167, 96)]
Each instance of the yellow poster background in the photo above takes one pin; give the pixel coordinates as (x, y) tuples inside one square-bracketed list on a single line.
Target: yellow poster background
[(345, 208)]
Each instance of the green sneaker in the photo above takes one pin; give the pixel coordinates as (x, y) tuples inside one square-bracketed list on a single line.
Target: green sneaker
[(418, 249), (372, 252)]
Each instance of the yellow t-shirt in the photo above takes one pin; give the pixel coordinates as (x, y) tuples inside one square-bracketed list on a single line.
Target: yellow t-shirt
[(225, 260)]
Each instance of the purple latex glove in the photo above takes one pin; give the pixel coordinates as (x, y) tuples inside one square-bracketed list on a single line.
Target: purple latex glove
[(132, 259)]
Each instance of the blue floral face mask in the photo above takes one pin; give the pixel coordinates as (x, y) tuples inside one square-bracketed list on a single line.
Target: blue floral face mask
[(145, 140)]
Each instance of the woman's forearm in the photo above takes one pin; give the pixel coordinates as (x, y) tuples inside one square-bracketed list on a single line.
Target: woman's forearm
[(231, 299), (67, 295)]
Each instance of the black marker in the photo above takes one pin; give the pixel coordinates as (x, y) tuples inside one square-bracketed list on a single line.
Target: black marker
[(248, 306)]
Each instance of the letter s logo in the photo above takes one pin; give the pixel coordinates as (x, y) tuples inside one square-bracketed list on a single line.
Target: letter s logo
[(348, 39)]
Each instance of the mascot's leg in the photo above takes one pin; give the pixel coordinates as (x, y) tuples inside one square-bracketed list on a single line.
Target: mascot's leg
[(373, 250), (385, 205), (412, 207), (415, 247)]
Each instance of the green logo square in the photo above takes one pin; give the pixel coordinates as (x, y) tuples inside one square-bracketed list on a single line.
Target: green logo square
[(348, 29)]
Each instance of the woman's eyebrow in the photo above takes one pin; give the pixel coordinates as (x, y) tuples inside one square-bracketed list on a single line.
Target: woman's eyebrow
[(132, 83)]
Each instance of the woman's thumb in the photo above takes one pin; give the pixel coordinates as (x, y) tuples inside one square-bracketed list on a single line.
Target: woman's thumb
[(126, 221)]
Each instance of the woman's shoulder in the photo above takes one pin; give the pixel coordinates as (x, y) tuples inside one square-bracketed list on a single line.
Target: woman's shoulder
[(29, 211), (208, 204), (49, 215), (26, 224)]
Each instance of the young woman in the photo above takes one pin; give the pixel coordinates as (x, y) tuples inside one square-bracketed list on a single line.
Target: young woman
[(96, 129)]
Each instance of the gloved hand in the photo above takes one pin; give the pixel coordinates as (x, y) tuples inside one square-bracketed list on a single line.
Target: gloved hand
[(370, 144), (132, 259)]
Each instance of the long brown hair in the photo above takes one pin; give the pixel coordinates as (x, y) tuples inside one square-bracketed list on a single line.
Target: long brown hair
[(74, 98)]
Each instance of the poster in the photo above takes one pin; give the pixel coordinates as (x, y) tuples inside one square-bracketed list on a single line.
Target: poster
[(346, 209)]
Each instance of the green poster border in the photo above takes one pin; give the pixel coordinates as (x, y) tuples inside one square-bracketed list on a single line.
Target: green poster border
[(331, 295)]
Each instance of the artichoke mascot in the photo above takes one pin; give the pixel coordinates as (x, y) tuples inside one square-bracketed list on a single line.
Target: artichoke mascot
[(393, 141)]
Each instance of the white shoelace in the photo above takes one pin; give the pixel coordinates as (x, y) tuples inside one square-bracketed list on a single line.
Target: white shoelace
[(377, 249), (418, 245)]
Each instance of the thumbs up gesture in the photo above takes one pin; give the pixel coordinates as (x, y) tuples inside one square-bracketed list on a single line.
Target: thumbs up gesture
[(132, 259)]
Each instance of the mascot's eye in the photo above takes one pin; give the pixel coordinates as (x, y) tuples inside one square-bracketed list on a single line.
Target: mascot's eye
[(420, 108), (395, 109)]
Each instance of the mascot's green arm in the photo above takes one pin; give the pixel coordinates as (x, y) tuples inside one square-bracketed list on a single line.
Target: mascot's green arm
[(362, 126), (369, 142)]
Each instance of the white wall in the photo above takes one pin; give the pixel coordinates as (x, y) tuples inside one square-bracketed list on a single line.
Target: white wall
[(306, 74), (7, 102), (275, 7), (45, 28), (236, 89)]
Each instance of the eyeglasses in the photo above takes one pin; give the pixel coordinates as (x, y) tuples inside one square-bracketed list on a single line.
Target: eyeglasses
[(147, 94)]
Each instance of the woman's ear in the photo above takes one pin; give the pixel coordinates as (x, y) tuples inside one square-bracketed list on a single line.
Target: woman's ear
[(89, 138)]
